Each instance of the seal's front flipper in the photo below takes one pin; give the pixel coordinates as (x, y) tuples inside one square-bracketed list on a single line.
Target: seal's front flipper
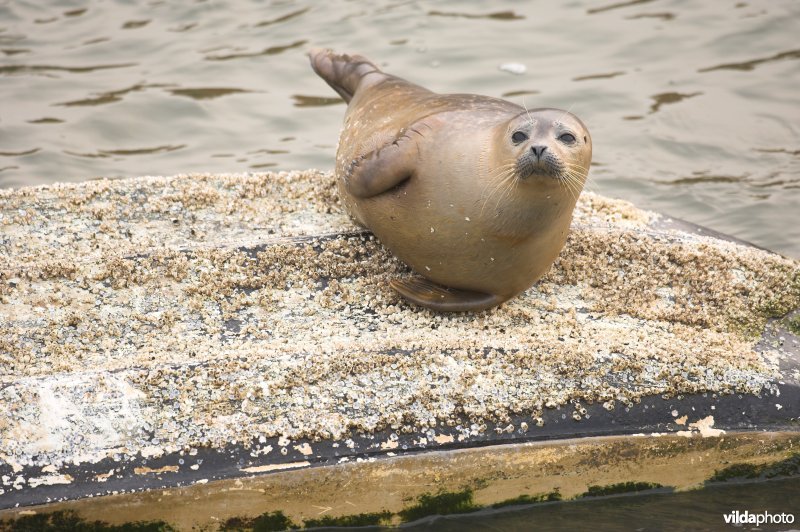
[(436, 297), (341, 71), (381, 170)]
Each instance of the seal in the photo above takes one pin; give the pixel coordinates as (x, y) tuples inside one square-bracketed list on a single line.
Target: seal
[(474, 193)]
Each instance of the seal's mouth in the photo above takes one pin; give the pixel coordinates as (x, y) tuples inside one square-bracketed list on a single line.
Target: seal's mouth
[(533, 165)]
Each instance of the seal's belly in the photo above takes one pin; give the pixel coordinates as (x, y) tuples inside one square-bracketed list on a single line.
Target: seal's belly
[(441, 235)]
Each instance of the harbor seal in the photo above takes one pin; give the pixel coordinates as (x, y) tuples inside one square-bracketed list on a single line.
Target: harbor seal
[(474, 193)]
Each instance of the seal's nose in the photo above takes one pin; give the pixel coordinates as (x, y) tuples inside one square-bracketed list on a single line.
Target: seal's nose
[(538, 151)]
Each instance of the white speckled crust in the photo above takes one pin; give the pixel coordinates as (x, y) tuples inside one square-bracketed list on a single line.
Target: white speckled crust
[(152, 315)]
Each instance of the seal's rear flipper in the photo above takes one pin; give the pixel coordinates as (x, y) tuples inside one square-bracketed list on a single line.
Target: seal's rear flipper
[(341, 71), (436, 297)]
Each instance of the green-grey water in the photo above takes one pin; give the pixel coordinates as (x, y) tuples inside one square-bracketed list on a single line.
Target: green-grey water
[(692, 105), (695, 511)]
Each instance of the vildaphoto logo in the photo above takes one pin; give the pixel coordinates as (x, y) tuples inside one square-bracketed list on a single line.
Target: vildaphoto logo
[(764, 518)]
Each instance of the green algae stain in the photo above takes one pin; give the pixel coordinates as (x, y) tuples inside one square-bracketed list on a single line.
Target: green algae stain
[(427, 504), (69, 521), (778, 307), (553, 496), (621, 487), (276, 521), (367, 519), (793, 325), (266, 522), (442, 503), (788, 467), (783, 303)]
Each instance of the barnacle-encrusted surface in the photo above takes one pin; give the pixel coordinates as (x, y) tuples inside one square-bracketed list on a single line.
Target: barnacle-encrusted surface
[(146, 316)]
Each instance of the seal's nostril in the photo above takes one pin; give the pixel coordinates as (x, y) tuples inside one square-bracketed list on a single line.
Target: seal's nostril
[(538, 151)]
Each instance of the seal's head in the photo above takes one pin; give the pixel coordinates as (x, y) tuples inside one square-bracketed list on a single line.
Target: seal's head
[(549, 144)]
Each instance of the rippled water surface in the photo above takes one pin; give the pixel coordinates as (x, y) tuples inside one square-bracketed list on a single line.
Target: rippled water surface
[(692, 105), (693, 511)]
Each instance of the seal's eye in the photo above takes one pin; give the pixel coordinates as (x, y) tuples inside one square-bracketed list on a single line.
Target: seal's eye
[(518, 137), (567, 138)]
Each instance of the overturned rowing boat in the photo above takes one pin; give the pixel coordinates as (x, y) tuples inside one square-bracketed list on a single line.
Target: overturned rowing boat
[(232, 339)]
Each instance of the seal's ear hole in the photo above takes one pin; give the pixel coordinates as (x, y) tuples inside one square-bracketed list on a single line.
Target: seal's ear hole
[(585, 139), (519, 136)]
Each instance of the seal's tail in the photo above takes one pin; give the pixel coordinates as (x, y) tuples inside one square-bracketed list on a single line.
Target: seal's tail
[(341, 71)]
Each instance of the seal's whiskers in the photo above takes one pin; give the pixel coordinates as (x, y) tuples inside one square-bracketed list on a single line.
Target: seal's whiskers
[(581, 171), (571, 178), (502, 178), (530, 120)]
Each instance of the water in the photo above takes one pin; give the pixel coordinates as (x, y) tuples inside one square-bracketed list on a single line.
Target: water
[(693, 106), (675, 512)]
